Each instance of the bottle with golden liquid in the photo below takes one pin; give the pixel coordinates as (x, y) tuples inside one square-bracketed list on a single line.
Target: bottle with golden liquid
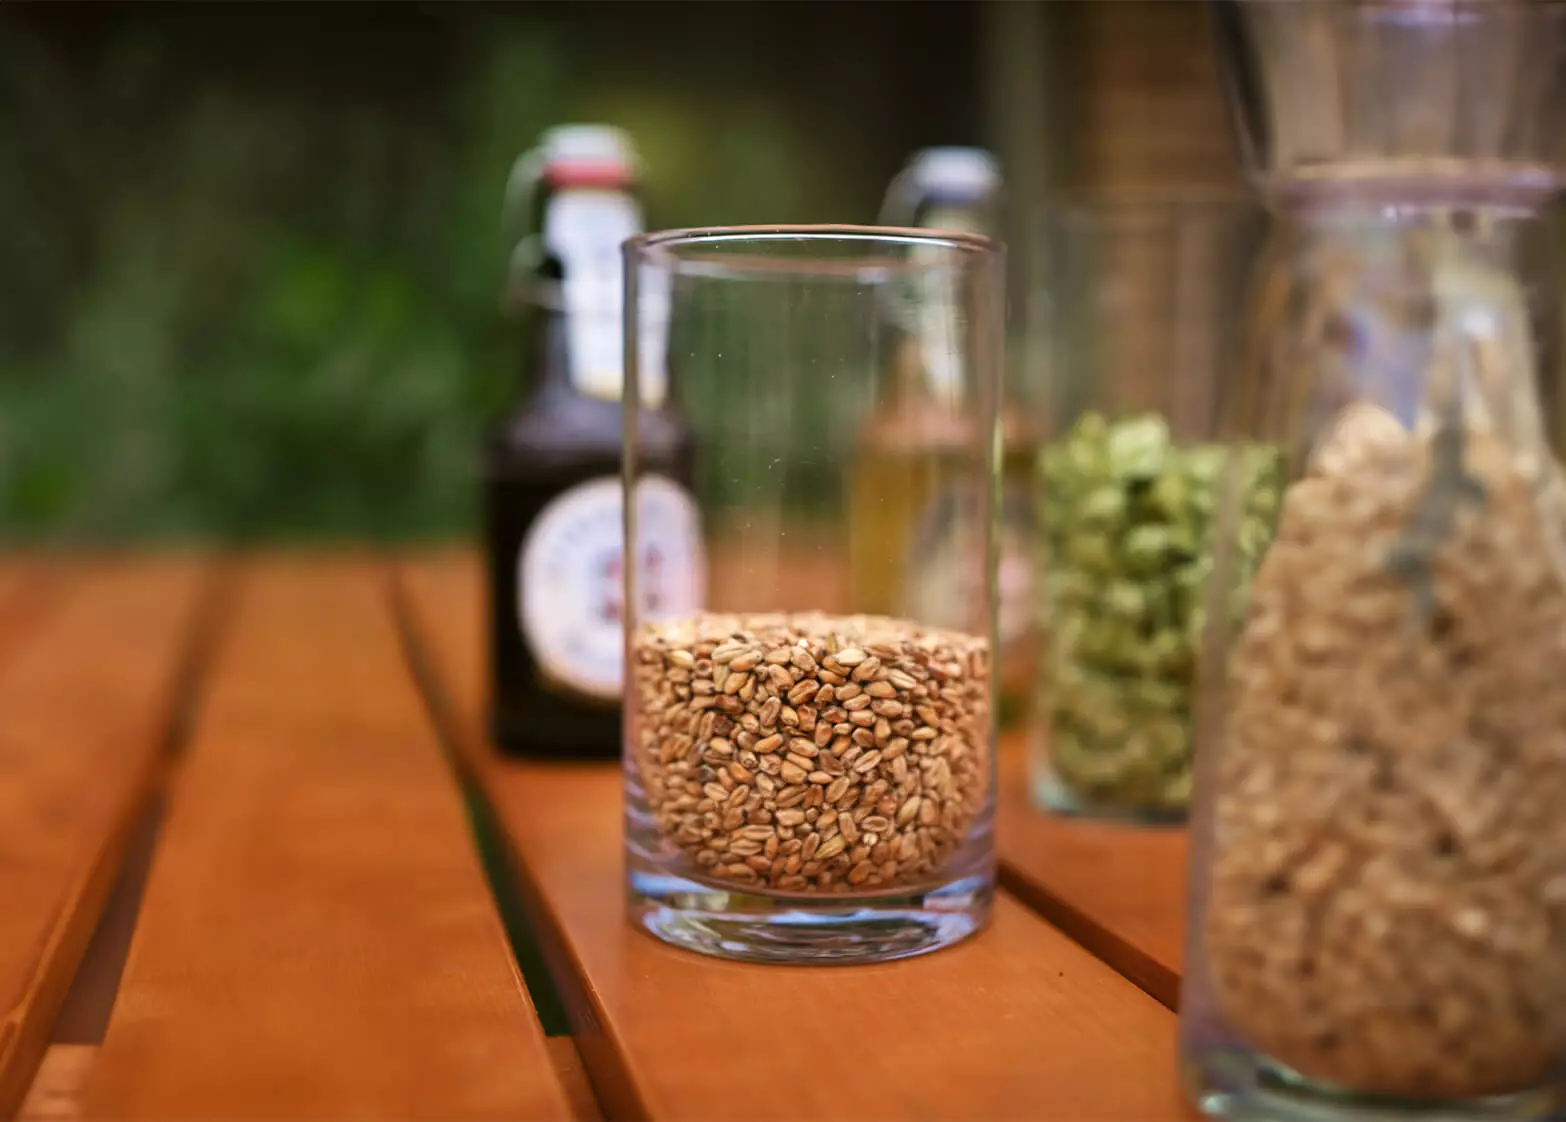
[(905, 490)]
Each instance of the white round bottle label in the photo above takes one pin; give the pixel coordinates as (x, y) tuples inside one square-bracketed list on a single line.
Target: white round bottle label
[(570, 586)]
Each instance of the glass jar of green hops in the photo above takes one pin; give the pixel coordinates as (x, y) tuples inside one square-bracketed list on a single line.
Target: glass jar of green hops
[(1141, 297)]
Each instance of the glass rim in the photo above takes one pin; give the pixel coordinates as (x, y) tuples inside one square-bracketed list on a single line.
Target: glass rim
[(663, 248), (1414, 8)]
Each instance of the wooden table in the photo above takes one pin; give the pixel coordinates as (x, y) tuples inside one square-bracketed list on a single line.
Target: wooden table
[(246, 821)]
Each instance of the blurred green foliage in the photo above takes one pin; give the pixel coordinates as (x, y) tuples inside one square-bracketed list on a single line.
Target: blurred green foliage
[(233, 317), (239, 310)]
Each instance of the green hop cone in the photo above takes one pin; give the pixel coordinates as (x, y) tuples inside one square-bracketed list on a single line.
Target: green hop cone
[(1127, 542)]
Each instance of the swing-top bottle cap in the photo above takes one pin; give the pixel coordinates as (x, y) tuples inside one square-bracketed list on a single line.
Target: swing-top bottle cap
[(952, 172), (967, 179), (582, 155), (572, 157)]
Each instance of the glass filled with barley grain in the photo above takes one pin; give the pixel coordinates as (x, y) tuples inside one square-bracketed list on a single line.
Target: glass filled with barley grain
[(810, 778)]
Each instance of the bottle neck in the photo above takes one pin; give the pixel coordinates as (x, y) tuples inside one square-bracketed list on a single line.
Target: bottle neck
[(548, 354), (972, 215), (926, 367), (581, 326)]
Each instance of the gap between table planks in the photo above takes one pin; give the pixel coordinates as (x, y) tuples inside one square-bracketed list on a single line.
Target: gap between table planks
[(55, 1094), (1018, 1023), (88, 697), (1117, 889), (317, 939)]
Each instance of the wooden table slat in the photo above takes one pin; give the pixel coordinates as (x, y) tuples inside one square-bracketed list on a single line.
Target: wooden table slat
[(1018, 1023), (30, 588), (1117, 888), (317, 939), (88, 704), (55, 1095)]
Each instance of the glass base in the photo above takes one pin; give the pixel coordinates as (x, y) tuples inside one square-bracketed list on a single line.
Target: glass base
[(1245, 1087), (753, 927), (1050, 794)]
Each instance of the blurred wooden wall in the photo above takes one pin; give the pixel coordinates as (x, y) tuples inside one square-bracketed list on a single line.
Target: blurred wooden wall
[(1149, 109), (1104, 96)]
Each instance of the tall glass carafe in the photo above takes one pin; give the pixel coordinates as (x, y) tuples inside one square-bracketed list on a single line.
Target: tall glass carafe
[(1378, 882)]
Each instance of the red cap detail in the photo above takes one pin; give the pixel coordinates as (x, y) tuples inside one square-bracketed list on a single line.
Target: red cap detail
[(587, 173)]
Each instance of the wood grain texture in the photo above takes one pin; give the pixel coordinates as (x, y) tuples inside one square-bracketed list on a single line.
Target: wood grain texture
[(30, 588), (17, 578), (1118, 889), (86, 706), (56, 1093), (1149, 109), (317, 940), (1018, 1023)]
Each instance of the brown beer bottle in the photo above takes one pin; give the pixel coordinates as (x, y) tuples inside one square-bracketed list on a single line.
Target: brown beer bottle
[(552, 504)]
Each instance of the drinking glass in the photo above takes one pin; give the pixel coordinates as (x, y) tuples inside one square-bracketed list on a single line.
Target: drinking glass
[(809, 758)]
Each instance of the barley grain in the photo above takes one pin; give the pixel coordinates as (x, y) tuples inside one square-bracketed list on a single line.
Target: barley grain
[(767, 744)]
